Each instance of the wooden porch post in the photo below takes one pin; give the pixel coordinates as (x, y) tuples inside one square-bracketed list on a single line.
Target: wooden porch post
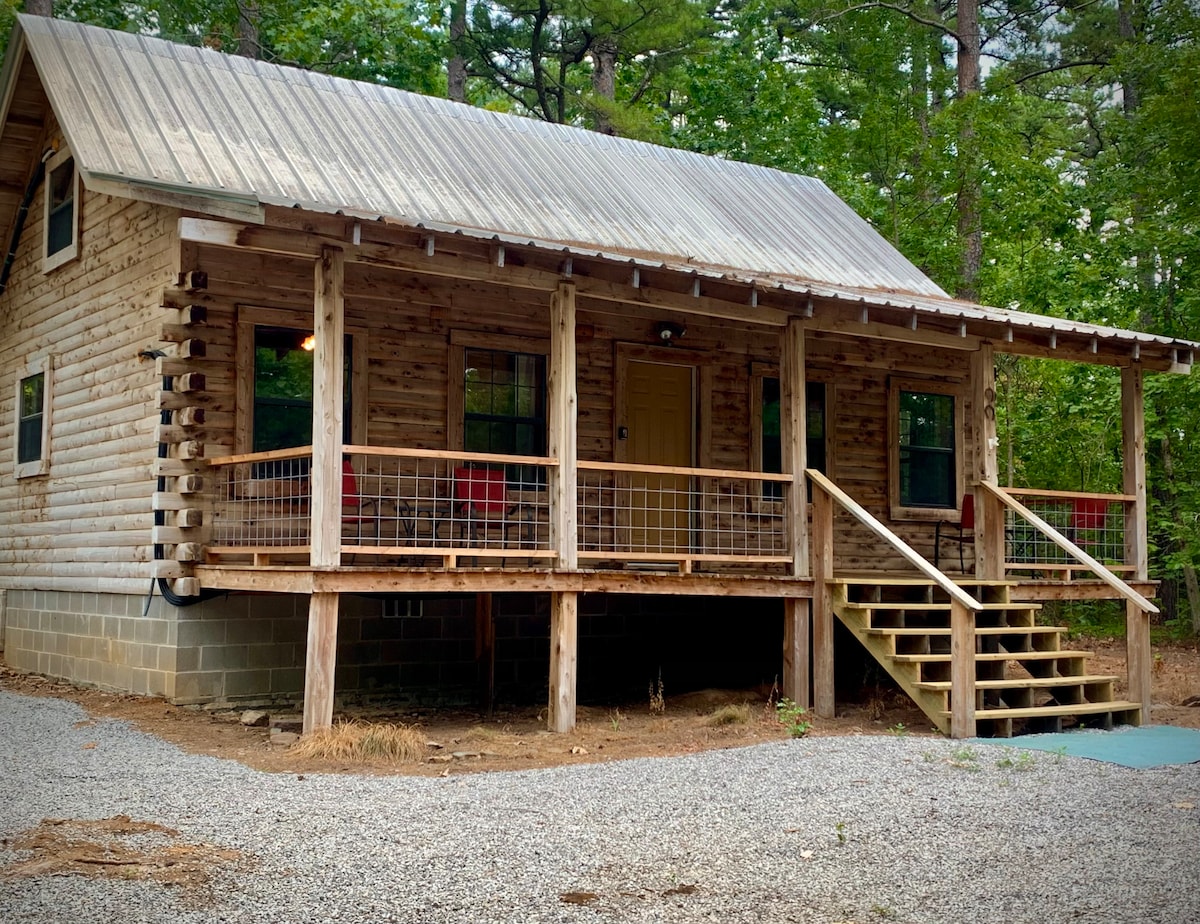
[(563, 443), (329, 363), (563, 436), (962, 671), (989, 514), (564, 621), (485, 651), (320, 661), (1137, 621), (325, 476), (792, 431), (822, 604)]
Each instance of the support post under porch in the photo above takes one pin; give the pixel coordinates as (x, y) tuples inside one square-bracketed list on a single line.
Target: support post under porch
[(320, 661), (822, 604), (797, 677), (564, 637)]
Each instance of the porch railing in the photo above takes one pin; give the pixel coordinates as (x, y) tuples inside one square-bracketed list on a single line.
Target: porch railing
[(1093, 522), (656, 513), (1065, 540), (395, 502), (422, 504)]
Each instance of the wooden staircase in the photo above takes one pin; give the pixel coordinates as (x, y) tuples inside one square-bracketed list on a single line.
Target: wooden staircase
[(1025, 681)]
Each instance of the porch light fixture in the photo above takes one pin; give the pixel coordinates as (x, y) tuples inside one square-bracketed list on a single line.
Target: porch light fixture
[(668, 331), (309, 343)]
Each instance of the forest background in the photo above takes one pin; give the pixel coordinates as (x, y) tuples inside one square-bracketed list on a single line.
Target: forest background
[(1042, 155)]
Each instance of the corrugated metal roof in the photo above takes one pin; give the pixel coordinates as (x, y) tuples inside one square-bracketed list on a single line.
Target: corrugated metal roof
[(148, 111), (214, 126)]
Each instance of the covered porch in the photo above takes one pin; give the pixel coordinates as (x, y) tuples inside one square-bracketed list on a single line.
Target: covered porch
[(361, 509)]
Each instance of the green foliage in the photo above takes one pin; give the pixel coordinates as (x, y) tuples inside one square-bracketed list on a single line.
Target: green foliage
[(791, 716)]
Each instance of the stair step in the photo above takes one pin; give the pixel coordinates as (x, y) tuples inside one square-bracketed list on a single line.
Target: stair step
[(1017, 683), (938, 607), (979, 630), (992, 656), (859, 580), (1033, 712)]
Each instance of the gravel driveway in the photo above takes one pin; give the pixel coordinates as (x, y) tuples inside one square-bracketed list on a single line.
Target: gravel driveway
[(842, 829)]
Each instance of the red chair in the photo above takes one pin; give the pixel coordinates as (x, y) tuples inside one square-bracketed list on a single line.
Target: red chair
[(966, 532), (1089, 516), (481, 500)]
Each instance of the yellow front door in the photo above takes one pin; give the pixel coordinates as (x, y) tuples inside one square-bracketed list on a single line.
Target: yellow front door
[(659, 420)]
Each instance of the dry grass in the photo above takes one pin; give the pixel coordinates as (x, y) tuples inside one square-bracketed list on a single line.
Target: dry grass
[(364, 742), (731, 714)]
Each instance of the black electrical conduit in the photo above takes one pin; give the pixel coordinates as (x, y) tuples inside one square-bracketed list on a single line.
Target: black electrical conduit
[(160, 518), (22, 213)]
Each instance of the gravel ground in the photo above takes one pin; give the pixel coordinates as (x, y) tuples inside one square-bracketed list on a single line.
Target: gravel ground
[(834, 830)]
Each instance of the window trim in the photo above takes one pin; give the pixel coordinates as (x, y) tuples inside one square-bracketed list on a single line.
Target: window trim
[(898, 511), (40, 466), (250, 317), (760, 371), (51, 261)]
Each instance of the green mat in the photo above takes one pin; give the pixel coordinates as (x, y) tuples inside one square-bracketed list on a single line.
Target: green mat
[(1140, 748)]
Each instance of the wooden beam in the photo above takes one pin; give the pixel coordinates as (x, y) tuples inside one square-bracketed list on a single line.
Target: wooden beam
[(822, 604), (1133, 438), (1138, 658), (962, 671), (563, 403), (875, 330), (320, 661), (989, 513), (485, 652), (328, 388), (793, 438), (564, 631), (797, 626)]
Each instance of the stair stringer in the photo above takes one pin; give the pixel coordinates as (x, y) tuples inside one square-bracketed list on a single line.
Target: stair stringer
[(906, 675)]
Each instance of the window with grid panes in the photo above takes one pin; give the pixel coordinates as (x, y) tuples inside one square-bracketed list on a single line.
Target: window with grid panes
[(505, 405), (928, 466)]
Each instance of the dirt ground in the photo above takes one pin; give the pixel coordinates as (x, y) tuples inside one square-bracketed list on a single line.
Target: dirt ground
[(465, 742)]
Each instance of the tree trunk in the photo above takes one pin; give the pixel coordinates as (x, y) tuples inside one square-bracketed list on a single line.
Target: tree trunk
[(1193, 595), (40, 8), (970, 230), (247, 29), (456, 66), (604, 80)]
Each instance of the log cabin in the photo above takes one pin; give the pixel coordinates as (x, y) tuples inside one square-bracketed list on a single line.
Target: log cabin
[(313, 386)]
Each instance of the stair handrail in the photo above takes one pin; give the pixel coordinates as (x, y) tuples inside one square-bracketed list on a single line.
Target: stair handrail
[(911, 555), (1069, 547)]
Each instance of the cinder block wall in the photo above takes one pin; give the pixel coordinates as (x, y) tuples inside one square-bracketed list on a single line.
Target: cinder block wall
[(420, 650), (97, 639)]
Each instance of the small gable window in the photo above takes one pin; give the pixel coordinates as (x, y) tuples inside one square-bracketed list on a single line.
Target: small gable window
[(62, 210)]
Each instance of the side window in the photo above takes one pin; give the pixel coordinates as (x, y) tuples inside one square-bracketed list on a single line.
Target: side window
[(504, 406), (33, 419), (283, 393), (770, 455), (924, 458), (61, 219)]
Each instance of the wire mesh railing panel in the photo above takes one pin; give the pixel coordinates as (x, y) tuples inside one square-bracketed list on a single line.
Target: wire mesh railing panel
[(262, 503), (471, 502), (1095, 524), (632, 511)]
